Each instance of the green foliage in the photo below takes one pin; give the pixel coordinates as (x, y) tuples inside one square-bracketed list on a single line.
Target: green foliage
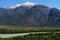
[(10, 31)]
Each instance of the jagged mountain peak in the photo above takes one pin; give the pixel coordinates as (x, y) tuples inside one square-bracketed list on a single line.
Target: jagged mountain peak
[(29, 4)]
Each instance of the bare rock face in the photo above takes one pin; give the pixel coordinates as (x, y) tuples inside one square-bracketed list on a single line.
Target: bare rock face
[(54, 17), (38, 15)]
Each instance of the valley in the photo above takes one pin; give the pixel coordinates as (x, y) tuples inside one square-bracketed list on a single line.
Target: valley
[(51, 33)]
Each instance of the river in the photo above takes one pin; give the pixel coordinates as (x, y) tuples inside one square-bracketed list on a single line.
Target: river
[(22, 34)]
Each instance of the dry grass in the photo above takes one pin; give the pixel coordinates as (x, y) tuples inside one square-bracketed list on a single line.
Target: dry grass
[(29, 28)]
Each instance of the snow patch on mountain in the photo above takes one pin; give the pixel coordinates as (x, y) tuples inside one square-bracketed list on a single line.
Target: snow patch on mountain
[(29, 4)]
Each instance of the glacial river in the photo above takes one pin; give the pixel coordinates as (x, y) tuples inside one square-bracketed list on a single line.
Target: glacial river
[(22, 34)]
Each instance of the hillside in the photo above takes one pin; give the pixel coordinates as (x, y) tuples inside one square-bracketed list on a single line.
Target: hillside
[(30, 14)]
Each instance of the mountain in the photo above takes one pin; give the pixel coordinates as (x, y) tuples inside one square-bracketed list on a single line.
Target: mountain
[(30, 14)]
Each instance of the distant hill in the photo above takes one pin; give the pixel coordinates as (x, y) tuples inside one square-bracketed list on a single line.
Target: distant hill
[(30, 14)]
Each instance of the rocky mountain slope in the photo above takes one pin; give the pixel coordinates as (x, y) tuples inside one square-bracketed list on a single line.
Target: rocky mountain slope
[(30, 14)]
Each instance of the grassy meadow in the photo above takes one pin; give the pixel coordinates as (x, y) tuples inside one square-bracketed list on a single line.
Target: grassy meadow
[(25, 29)]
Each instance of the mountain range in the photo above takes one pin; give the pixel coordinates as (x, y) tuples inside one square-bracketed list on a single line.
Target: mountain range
[(30, 14)]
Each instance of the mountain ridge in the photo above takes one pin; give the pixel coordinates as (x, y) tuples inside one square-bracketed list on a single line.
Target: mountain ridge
[(38, 15)]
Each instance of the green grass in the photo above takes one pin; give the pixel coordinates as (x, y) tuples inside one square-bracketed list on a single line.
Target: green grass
[(24, 29)]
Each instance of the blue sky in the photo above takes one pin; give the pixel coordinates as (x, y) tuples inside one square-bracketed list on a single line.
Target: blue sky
[(49, 3)]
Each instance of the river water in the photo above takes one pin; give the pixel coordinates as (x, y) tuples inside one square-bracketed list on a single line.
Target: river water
[(21, 34)]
